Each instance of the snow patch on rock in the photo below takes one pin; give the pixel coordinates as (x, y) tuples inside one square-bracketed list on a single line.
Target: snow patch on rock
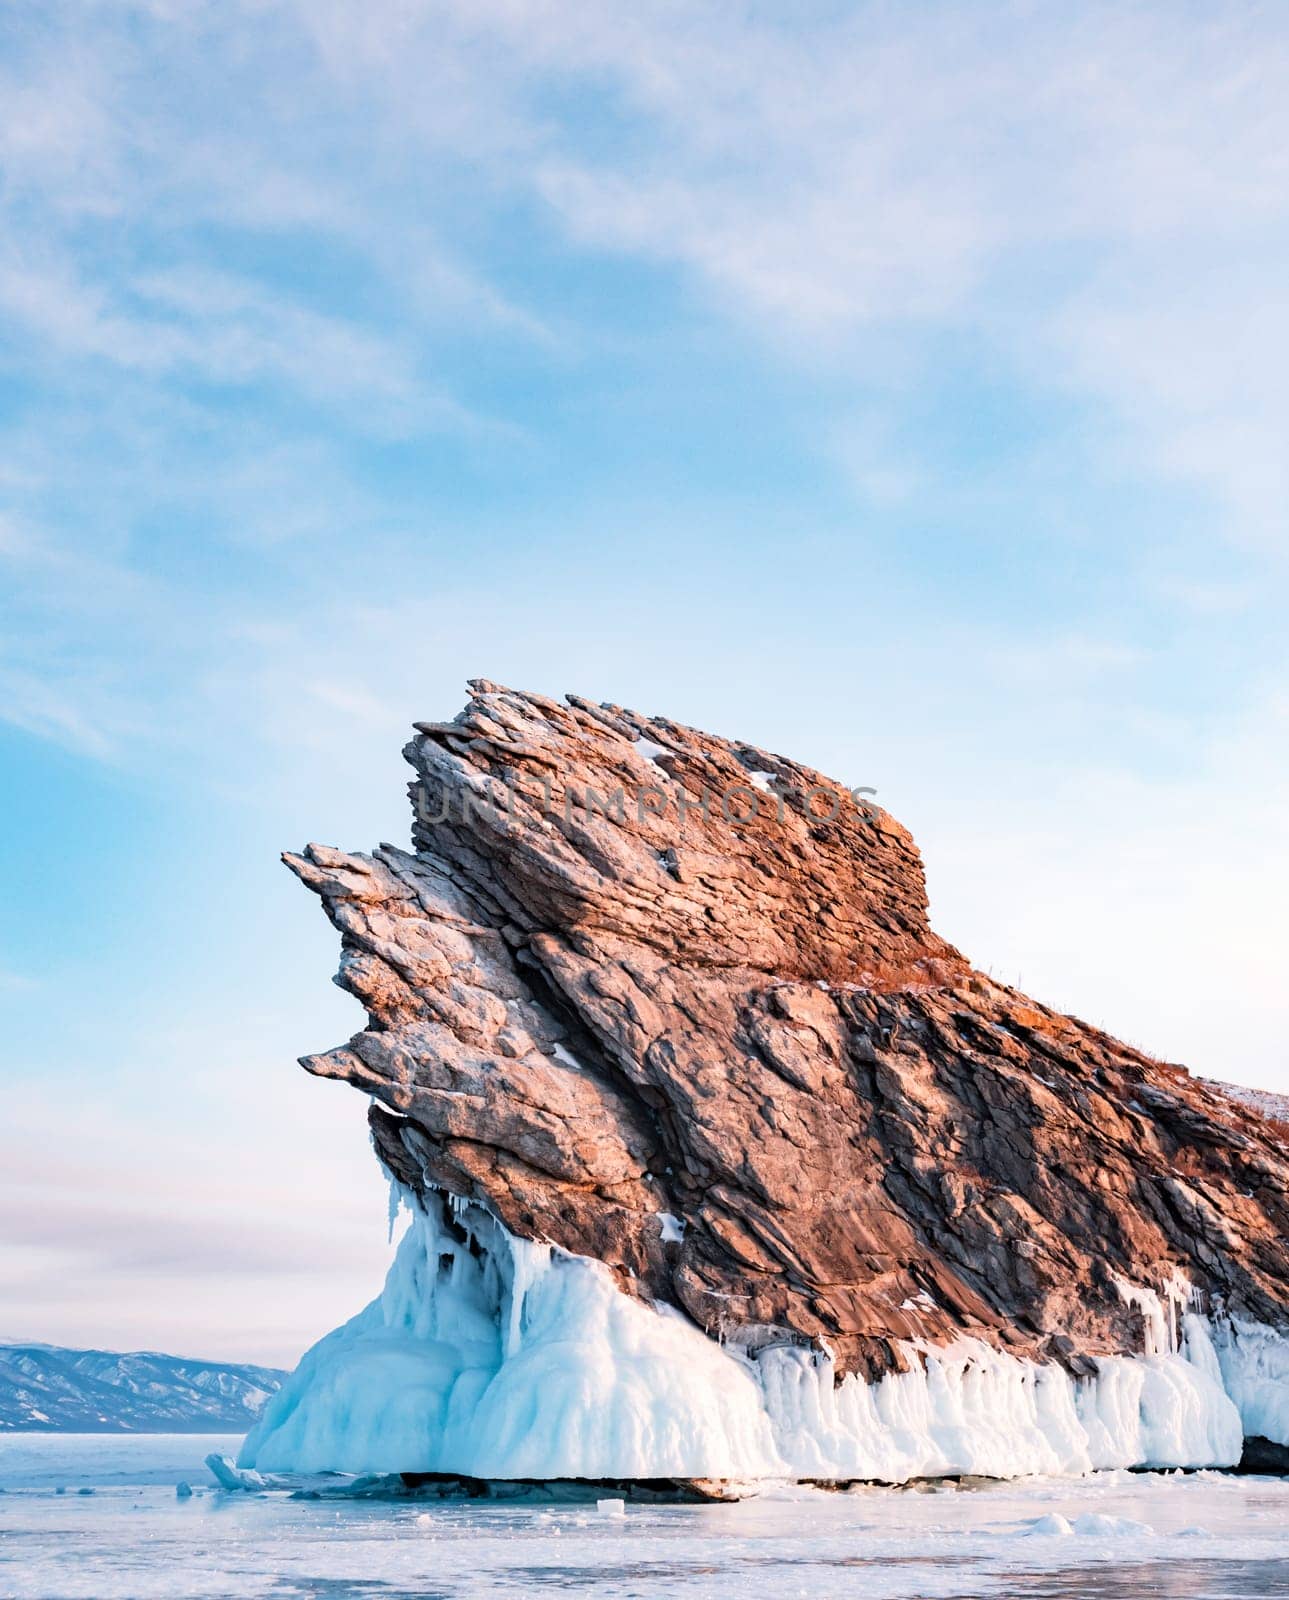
[(652, 751)]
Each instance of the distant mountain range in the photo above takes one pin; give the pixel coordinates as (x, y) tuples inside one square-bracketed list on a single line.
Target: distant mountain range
[(51, 1390)]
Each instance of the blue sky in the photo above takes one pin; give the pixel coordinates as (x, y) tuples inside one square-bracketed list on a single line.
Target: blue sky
[(900, 388)]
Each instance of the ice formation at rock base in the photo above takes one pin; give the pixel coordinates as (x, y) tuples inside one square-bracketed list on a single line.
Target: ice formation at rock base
[(498, 1357), (765, 1180)]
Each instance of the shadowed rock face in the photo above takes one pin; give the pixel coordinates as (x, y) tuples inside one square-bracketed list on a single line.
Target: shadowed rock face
[(596, 1014)]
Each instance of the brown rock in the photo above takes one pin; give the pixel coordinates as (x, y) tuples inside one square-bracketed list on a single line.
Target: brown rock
[(602, 990)]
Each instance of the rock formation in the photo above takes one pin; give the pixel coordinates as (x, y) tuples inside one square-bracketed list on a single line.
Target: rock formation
[(672, 1002)]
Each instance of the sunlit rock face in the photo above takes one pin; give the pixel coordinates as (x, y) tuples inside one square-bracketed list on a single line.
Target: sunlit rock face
[(673, 1003)]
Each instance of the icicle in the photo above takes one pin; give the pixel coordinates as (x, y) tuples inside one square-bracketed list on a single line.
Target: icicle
[(529, 1260), (1161, 1311), (396, 1202), (510, 1359)]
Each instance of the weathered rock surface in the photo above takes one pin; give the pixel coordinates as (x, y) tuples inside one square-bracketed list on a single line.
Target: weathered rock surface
[(726, 1054)]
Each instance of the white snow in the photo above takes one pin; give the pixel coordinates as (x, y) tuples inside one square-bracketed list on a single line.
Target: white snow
[(651, 751), (672, 1228), (1052, 1526), (921, 1301), (1265, 1101), (503, 1358), (764, 781), (1097, 1525), (565, 1056), (1091, 1524)]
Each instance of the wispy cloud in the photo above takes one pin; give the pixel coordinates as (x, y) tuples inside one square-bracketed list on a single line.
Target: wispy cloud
[(1098, 192), (41, 706), (1101, 190), (211, 326)]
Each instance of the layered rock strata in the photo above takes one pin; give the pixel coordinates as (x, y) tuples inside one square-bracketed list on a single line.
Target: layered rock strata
[(672, 1002)]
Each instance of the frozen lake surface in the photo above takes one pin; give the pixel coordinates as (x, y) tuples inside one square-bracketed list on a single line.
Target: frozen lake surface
[(1205, 1536)]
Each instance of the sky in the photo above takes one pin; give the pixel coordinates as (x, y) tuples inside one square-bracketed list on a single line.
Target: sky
[(899, 388)]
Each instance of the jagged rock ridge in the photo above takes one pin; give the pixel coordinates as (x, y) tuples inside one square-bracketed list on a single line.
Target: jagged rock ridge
[(726, 1054)]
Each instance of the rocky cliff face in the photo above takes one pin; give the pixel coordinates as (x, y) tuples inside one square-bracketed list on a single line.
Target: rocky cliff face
[(673, 1002)]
